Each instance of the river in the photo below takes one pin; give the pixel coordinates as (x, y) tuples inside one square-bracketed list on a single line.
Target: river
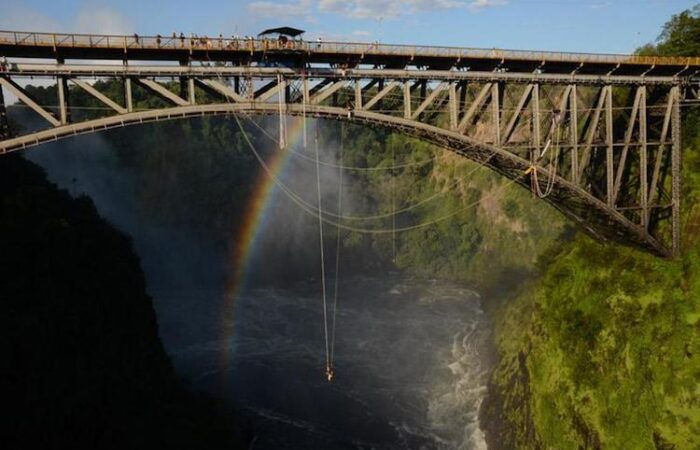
[(411, 355), (411, 365)]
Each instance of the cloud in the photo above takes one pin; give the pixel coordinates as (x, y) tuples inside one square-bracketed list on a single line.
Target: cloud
[(334, 36), (25, 19), (481, 4), (102, 20), (361, 9), (377, 9), (98, 20), (301, 9)]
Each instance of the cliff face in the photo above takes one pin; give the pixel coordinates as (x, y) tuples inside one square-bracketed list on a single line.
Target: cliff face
[(602, 351), (602, 348), (84, 367)]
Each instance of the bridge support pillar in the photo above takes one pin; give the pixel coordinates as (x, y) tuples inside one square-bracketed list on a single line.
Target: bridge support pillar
[(643, 160), (573, 133), (453, 105), (190, 91), (606, 93), (62, 85), (496, 111), (128, 99), (187, 89), (676, 171), (4, 122), (407, 99)]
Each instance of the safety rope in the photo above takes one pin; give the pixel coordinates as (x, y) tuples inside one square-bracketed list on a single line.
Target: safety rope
[(395, 212), (304, 93), (279, 103), (304, 207), (329, 369), (337, 166), (393, 208), (553, 165), (337, 249), (314, 212), (330, 347), (282, 140)]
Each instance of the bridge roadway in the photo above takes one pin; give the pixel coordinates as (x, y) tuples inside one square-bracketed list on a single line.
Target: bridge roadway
[(245, 51), (609, 125)]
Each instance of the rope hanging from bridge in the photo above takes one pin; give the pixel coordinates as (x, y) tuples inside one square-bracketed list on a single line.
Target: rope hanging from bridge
[(553, 164), (294, 198), (331, 165), (280, 97), (337, 253), (329, 368), (304, 93), (393, 207), (382, 215), (282, 140)]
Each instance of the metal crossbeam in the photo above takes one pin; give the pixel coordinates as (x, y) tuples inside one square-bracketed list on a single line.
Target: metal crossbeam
[(220, 88), (380, 95), (327, 92), (99, 95), (27, 100), (619, 163), (161, 91)]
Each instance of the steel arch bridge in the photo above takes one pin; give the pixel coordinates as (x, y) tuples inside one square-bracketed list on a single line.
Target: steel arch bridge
[(600, 133)]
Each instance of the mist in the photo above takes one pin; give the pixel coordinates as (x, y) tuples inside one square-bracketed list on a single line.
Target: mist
[(411, 353), (179, 258)]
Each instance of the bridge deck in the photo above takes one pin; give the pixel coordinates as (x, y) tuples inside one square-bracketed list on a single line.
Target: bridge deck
[(152, 48)]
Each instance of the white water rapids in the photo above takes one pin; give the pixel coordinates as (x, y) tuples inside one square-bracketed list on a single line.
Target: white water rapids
[(411, 366)]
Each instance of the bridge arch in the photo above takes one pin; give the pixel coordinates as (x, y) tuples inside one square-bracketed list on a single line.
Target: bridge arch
[(590, 213), (616, 119)]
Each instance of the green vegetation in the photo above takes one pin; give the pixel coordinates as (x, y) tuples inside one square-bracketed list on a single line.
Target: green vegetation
[(602, 350), (602, 354), (488, 224)]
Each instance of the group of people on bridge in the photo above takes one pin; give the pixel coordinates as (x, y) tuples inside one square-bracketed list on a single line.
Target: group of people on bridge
[(221, 42)]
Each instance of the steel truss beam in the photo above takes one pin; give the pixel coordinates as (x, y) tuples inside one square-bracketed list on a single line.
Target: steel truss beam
[(608, 136)]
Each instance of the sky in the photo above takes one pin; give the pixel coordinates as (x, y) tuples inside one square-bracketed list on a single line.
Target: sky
[(600, 26)]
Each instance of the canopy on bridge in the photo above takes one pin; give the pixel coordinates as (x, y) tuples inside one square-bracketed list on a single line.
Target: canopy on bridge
[(284, 31)]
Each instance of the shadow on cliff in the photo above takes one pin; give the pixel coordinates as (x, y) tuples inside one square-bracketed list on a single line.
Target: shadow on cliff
[(84, 365)]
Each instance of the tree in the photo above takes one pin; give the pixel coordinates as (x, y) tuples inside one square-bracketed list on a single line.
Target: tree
[(680, 36)]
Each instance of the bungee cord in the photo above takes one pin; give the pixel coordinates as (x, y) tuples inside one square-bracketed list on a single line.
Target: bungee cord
[(394, 212), (319, 214), (393, 208), (338, 166), (282, 140), (337, 253), (553, 161), (329, 368), (312, 211)]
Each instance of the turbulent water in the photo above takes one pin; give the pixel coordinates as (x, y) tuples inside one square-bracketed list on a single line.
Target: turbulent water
[(410, 366), (411, 355)]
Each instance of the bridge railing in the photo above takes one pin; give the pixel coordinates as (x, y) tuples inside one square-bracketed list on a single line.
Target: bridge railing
[(260, 45)]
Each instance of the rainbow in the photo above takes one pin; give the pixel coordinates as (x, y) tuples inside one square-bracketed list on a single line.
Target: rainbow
[(251, 228)]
